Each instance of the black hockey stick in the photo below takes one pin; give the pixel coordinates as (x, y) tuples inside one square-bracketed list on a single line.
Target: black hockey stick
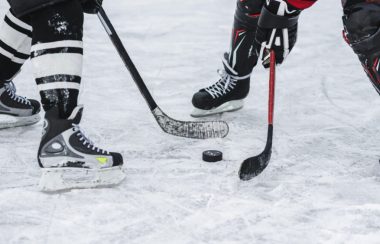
[(252, 167), (188, 129)]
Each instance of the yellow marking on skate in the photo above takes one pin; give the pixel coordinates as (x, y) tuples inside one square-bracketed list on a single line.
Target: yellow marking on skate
[(102, 160)]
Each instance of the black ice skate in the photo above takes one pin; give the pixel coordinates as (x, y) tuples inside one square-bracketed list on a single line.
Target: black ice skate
[(70, 160), (16, 110), (226, 95)]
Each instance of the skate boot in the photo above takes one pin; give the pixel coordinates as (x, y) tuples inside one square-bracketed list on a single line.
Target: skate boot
[(226, 95), (70, 160), (16, 110)]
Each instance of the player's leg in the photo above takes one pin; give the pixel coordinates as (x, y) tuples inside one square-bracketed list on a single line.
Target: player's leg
[(228, 93), (15, 41), (362, 32), (68, 158)]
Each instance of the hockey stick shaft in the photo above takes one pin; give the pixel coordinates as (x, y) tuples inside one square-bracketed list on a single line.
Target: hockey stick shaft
[(271, 102), (126, 59), (272, 79)]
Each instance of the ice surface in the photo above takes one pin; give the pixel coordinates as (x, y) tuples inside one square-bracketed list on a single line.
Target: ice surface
[(322, 185)]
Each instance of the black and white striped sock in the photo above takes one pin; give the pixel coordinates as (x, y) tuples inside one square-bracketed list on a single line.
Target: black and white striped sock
[(15, 44), (58, 65), (57, 55), (58, 71)]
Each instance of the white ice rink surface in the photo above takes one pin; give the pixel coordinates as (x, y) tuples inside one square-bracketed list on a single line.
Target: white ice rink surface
[(322, 185)]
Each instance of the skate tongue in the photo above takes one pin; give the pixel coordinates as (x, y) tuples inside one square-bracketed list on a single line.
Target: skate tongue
[(227, 66), (231, 72), (76, 115)]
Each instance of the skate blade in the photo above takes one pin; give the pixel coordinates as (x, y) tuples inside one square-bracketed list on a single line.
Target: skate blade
[(8, 121), (225, 107), (58, 179)]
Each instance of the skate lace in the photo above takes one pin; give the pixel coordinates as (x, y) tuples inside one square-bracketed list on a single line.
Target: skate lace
[(226, 83), (10, 88), (86, 141)]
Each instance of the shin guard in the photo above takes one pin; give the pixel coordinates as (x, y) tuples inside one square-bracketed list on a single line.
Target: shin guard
[(242, 57)]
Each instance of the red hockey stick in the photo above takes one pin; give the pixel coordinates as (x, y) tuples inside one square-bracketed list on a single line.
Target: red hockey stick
[(253, 166)]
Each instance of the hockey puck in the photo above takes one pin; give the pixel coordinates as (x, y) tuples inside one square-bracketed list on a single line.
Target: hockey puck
[(212, 156)]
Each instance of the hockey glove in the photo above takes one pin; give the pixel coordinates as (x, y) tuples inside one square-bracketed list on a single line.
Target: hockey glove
[(362, 32), (277, 30), (92, 6)]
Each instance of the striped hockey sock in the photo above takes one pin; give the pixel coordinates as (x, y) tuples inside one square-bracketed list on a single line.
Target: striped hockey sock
[(58, 70), (15, 43), (57, 55)]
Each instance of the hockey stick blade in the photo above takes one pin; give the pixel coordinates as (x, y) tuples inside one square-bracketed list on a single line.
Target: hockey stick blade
[(254, 166), (191, 129), (188, 129)]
